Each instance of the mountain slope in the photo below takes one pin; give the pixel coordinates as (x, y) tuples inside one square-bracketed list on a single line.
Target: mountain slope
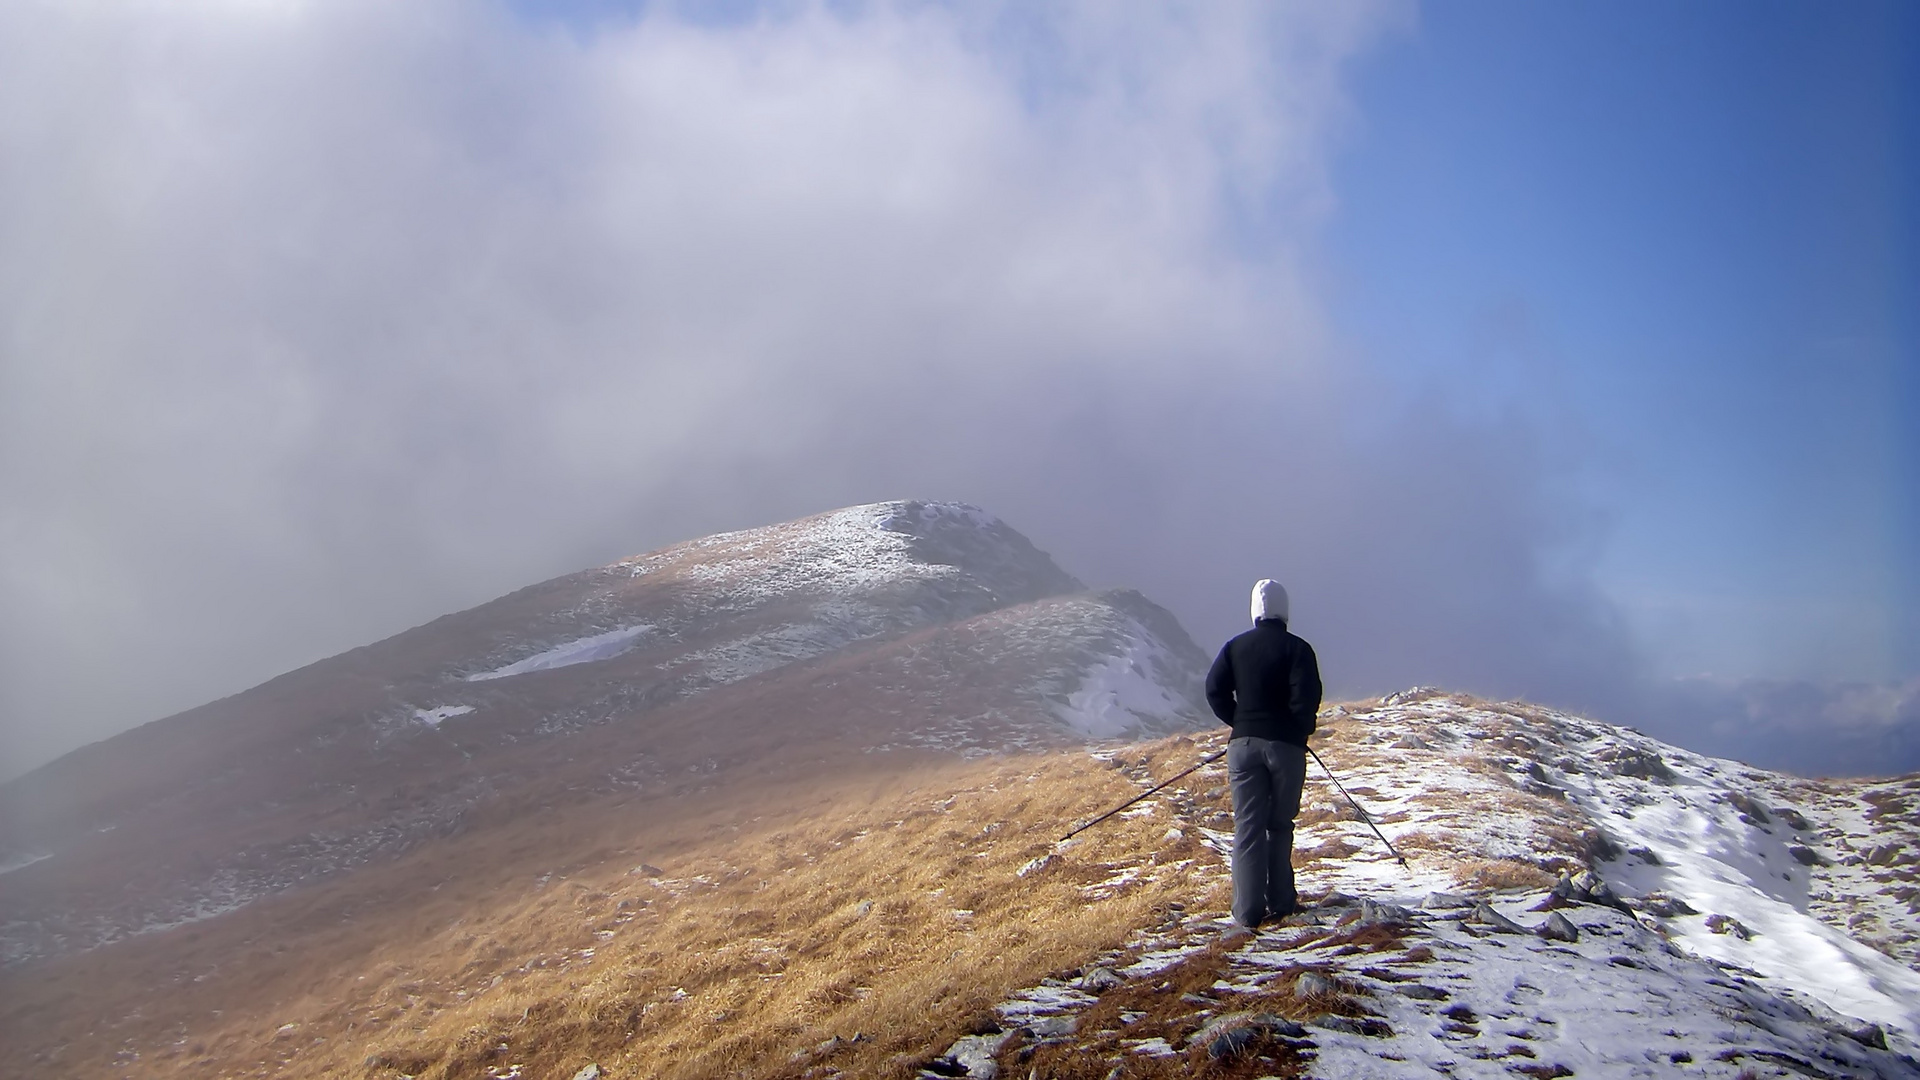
[(912, 914), (784, 803), (892, 625)]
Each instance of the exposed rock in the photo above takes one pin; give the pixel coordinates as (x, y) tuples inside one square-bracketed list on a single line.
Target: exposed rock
[(1727, 924), (1805, 855), (1100, 980), (1372, 914), (1666, 906), (1558, 928), (1645, 855), (1885, 854), (1337, 900), (1233, 1043), (1034, 866), (1443, 900), (1750, 808), (1234, 1034), (1314, 984), (1642, 764), (1793, 819), (1053, 1027), (971, 1056), (1586, 887), (1410, 741), (1423, 992), (1485, 915), (1600, 845), (1410, 695), (1870, 1035), (1353, 1025), (588, 1072)]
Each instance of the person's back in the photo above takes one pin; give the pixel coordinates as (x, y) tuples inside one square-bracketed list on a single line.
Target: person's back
[(1265, 684)]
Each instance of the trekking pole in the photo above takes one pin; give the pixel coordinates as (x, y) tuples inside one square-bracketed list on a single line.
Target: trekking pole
[(1208, 760), (1364, 816)]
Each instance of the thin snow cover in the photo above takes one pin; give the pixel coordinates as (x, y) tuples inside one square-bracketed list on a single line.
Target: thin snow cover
[(1721, 864), (586, 650), (856, 550), (1449, 991), (1682, 809), (1121, 694), (432, 717), (834, 625), (21, 862), (860, 546)]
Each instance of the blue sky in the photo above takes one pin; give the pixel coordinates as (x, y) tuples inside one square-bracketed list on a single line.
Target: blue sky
[(1553, 351), (1687, 233)]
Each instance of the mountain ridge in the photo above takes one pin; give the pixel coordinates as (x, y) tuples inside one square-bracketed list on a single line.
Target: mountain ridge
[(363, 755), (786, 803)]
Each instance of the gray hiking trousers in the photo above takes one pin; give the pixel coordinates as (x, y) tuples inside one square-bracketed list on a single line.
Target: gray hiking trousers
[(1266, 776)]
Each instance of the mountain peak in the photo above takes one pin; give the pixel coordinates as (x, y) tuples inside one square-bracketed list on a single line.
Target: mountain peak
[(855, 549), (895, 625)]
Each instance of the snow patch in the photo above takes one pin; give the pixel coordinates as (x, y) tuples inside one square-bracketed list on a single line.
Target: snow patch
[(1121, 694), (432, 717), (21, 862), (584, 650)]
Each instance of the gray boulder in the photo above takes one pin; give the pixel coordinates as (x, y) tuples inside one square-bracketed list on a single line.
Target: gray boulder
[(1485, 915), (1666, 906), (1558, 928), (1314, 984), (973, 1056), (1372, 914), (1236, 1033), (1100, 980)]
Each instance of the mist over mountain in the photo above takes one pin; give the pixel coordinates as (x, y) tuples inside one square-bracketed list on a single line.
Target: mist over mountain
[(326, 319)]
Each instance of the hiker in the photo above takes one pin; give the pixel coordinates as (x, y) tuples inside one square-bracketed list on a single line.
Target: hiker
[(1265, 684)]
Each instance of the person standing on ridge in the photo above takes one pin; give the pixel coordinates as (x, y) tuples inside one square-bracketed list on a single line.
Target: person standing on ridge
[(1265, 684)]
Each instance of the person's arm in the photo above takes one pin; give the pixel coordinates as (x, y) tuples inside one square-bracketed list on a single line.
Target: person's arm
[(1304, 689), (1220, 686)]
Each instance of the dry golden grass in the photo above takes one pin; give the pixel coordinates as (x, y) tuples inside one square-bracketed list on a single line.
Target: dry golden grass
[(1483, 874), (840, 908)]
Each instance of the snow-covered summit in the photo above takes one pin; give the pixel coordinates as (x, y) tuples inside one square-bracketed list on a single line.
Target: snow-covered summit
[(757, 598), (859, 548)]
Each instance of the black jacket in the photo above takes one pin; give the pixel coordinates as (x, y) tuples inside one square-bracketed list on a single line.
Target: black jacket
[(1266, 683)]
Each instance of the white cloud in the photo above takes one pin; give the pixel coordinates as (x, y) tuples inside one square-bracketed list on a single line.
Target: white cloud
[(324, 319)]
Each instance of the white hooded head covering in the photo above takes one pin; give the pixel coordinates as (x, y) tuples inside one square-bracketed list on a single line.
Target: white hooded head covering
[(1269, 600)]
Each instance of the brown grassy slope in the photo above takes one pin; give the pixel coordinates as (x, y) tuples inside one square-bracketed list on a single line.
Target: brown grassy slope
[(983, 682), (833, 907)]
